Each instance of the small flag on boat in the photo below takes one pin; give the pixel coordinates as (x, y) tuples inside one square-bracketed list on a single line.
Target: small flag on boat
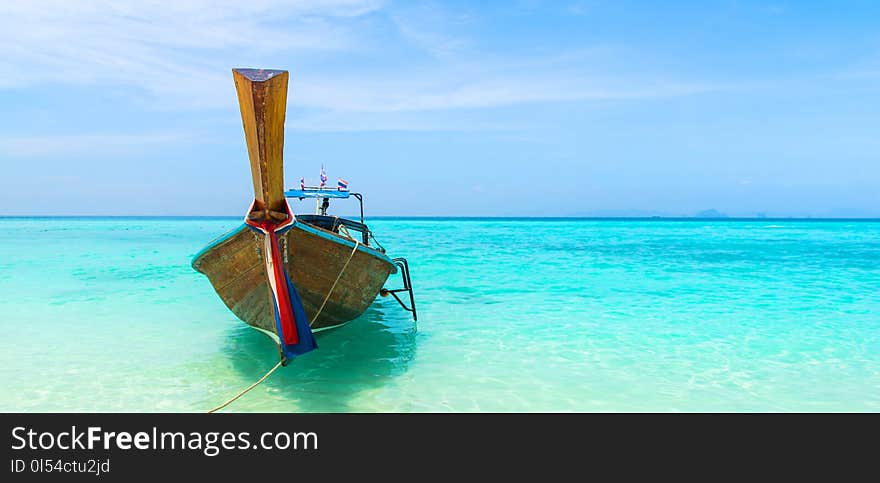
[(323, 176), (302, 183), (342, 184)]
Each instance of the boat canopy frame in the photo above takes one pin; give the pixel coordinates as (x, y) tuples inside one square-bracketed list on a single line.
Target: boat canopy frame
[(317, 192)]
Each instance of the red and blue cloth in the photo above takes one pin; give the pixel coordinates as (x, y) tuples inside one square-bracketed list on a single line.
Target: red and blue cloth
[(291, 323)]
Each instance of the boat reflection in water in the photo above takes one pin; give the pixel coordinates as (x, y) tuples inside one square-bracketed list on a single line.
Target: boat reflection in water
[(365, 355)]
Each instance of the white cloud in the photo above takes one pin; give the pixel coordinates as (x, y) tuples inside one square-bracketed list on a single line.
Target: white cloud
[(178, 49), (349, 121), (436, 31), (578, 8), (378, 95), (89, 143), (177, 55)]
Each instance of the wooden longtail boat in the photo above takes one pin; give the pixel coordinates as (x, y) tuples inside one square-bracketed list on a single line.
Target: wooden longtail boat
[(333, 266)]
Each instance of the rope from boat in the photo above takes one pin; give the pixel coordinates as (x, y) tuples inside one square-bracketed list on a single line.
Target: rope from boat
[(266, 376), (330, 292), (243, 392), (344, 232)]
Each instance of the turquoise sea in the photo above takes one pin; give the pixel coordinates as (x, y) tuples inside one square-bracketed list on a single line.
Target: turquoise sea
[(105, 314)]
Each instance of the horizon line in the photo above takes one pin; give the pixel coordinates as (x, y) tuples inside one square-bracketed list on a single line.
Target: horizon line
[(477, 217)]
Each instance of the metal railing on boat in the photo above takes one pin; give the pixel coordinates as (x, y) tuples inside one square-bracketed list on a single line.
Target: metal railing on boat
[(407, 287)]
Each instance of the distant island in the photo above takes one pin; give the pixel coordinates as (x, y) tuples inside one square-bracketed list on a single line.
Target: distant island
[(710, 213)]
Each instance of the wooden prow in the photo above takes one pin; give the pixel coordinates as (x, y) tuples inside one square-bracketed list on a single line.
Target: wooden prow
[(262, 99)]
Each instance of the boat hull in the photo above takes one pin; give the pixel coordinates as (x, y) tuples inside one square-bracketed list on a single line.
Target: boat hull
[(314, 259)]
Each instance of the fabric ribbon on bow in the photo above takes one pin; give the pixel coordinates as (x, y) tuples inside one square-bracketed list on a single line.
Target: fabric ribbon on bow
[(291, 323)]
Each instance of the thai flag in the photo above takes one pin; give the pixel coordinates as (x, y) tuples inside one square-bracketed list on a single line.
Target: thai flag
[(342, 184), (302, 183), (323, 177)]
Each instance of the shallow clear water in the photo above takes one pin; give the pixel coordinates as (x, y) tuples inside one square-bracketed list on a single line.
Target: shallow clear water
[(515, 315)]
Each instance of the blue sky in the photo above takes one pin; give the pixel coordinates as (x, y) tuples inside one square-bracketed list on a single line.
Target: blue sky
[(448, 108)]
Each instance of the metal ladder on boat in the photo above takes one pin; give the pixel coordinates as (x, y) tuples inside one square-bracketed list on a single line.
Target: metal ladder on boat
[(407, 287)]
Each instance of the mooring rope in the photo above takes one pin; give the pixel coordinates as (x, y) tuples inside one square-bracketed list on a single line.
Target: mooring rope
[(243, 392), (266, 376)]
